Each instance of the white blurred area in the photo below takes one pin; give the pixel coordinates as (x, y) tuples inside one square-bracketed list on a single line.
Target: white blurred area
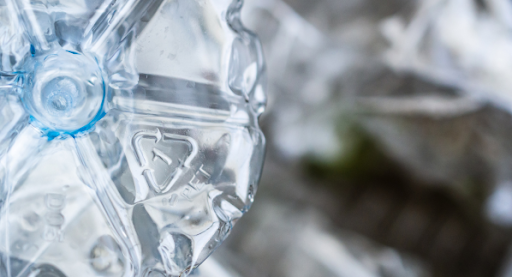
[(499, 204), (455, 43)]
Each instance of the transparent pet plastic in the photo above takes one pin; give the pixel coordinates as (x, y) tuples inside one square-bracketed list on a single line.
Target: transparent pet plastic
[(129, 137)]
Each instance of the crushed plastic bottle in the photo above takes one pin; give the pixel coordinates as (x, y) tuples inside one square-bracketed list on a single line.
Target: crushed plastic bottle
[(129, 137)]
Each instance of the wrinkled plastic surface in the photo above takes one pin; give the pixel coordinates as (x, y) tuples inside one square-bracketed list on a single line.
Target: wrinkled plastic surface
[(129, 141)]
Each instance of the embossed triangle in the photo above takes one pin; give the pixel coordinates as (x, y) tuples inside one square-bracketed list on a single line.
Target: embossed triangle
[(162, 156)]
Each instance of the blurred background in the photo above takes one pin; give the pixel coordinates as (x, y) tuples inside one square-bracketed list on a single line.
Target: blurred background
[(389, 133)]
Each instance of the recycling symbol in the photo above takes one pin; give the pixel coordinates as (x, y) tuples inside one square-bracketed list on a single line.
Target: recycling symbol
[(163, 156)]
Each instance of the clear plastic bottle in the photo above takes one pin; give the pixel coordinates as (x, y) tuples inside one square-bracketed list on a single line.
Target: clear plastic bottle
[(129, 137)]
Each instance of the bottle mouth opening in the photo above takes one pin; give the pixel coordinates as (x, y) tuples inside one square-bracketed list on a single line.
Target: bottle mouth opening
[(64, 92)]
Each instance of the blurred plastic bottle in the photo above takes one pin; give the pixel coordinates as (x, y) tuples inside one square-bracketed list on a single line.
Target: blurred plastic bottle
[(129, 137)]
